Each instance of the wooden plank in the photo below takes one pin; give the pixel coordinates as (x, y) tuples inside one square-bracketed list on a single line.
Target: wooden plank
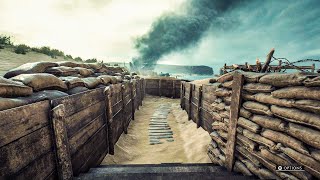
[(132, 100), (20, 121), (64, 166), (160, 87), (199, 108), (85, 133), (22, 152), (109, 116), (78, 120), (237, 86), (80, 101), (190, 98), (125, 128)]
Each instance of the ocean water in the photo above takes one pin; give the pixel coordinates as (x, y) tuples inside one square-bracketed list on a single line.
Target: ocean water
[(195, 77)]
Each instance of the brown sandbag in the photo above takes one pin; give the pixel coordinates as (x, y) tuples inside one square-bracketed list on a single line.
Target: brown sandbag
[(269, 99), (245, 113), (213, 144), (77, 90), (218, 106), (226, 77), (257, 108), (72, 64), (286, 140), (258, 88), (223, 134), (30, 68), (222, 92), (215, 151), (72, 82), (310, 165), (216, 137), (119, 79), (298, 92), (305, 134), (239, 130), (247, 96), (84, 71), (219, 125), (215, 160), (62, 71), (227, 84), (8, 103), (252, 77), (315, 153), (269, 122), (95, 66), (308, 105), (297, 116), (216, 116), (91, 82), (283, 80), (247, 124), (227, 108), (9, 88), (312, 81), (201, 81), (44, 95), (218, 100), (41, 81), (227, 100), (259, 139), (241, 168), (262, 173), (106, 79), (224, 114), (248, 155)]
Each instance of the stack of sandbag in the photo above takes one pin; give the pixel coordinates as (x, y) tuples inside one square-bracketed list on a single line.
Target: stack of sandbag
[(279, 125)]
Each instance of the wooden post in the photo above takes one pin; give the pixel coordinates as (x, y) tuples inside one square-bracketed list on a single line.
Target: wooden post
[(199, 108), (182, 95), (132, 99), (237, 86), (160, 87), (63, 155), (137, 96), (190, 100), (174, 88), (268, 60), (108, 96), (123, 117), (141, 91), (313, 67)]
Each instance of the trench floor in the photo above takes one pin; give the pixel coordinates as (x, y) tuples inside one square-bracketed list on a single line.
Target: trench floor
[(161, 133)]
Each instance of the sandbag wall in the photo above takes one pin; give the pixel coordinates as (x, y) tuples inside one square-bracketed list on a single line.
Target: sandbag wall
[(66, 136), (167, 87), (273, 124)]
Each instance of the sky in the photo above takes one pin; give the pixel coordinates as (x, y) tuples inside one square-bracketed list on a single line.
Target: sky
[(106, 29)]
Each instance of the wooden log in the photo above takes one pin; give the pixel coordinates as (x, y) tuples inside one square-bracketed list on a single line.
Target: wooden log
[(64, 166), (268, 60), (108, 96), (125, 128), (237, 86)]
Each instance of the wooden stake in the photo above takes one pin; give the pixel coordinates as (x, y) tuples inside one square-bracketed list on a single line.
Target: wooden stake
[(237, 86), (268, 60), (108, 96), (199, 108)]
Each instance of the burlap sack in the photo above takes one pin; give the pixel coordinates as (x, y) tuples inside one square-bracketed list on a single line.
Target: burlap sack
[(77, 90), (310, 165), (215, 160), (269, 122), (252, 77), (239, 130), (219, 125), (248, 155), (222, 92), (269, 99), (286, 140), (315, 153), (312, 81), (106, 79), (218, 106), (241, 168), (259, 139), (44, 95), (226, 77), (72, 82), (91, 82), (246, 142), (258, 88), (119, 79), (297, 116), (215, 151), (223, 134), (216, 116), (95, 66), (8, 103), (227, 100), (305, 134), (62, 71), (84, 71), (213, 144), (72, 64), (201, 81), (224, 114), (30, 68), (227, 84), (227, 108), (41, 81), (216, 137), (247, 124), (257, 108), (9, 88), (247, 96), (299, 92), (262, 173), (283, 80), (308, 105), (244, 113)]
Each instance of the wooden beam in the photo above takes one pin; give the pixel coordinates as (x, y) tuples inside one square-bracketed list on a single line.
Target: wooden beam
[(131, 86), (160, 87), (64, 165), (173, 88), (268, 60), (237, 86), (190, 99), (199, 108), (123, 106), (108, 95)]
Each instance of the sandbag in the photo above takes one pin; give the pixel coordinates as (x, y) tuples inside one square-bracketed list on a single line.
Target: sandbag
[(283, 80), (286, 140), (308, 105), (119, 79), (312, 81), (262, 173), (259, 139), (8, 103), (257, 108), (252, 77), (223, 134), (213, 144), (310, 165), (30, 68), (227, 100), (215, 151), (305, 134), (76, 90), (225, 77), (224, 114), (44, 95), (61, 71), (299, 92), (216, 137), (91, 82), (227, 84), (315, 153), (219, 125), (227, 108), (258, 88), (201, 81), (84, 71), (247, 124), (241, 168), (247, 96), (222, 92), (41, 81), (248, 155), (269, 99), (215, 160), (269, 122), (218, 106), (106, 79), (245, 113), (95, 66), (72, 82), (297, 116), (9, 88), (216, 116), (72, 64)]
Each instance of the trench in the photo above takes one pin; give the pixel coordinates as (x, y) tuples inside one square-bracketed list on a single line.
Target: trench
[(178, 139)]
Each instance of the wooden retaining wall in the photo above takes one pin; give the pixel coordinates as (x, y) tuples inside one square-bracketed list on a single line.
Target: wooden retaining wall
[(163, 87), (64, 137)]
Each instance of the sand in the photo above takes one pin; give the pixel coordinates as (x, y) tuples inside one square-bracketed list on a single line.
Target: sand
[(189, 146)]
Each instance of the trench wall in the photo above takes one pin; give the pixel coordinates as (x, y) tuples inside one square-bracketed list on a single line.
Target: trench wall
[(260, 123), (163, 87), (67, 136)]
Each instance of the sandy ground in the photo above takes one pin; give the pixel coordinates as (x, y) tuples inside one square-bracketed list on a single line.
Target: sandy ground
[(189, 146)]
